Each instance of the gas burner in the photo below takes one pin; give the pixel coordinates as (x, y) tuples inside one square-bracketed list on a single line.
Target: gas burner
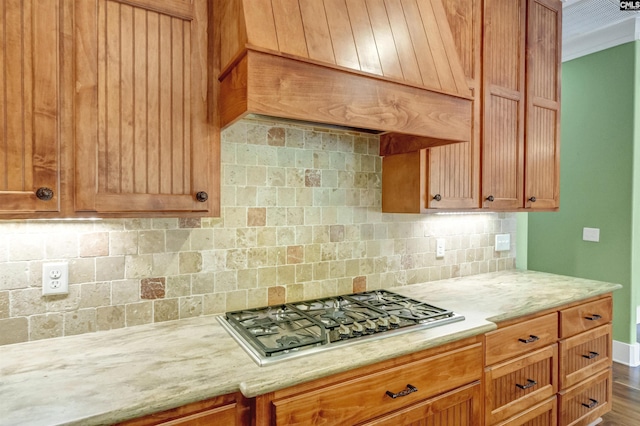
[(288, 341), (274, 333)]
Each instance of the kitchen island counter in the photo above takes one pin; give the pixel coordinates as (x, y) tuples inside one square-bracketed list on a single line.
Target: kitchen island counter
[(105, 377)]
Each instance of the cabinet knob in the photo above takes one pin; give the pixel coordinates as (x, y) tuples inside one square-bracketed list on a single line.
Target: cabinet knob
[(44, 194), (437, 197), (532, 199), (202, 196), (490, 198)]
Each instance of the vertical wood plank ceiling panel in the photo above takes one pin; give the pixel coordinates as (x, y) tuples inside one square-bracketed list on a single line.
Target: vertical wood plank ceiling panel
[(261, 29), (363, 36), (440, 59), (127, 140), (316, 31), (4, 81), (154, 83), (289, 29), (177, 107), (166, 114), (113, 102), (426, 65), (17, 101), (384, 39), (344, 47), (140, 123), (403, 42)]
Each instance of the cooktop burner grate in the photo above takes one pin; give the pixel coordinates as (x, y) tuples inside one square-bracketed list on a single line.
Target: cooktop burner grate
[(278, 332)]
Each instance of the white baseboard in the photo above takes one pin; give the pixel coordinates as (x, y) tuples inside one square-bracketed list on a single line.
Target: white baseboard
[(626, 354)]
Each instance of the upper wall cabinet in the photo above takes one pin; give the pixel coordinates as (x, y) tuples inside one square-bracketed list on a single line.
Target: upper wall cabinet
[(521, 84), (29, 107), (510, 52), (143, 142), (443, 177)]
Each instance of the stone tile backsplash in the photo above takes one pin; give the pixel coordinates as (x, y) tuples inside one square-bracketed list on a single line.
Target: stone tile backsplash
[(300, 219)]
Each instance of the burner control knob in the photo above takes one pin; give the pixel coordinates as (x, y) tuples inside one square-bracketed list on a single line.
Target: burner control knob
[(370, 326), (394, 320), (383, 324), (344, 331), (357, 329)]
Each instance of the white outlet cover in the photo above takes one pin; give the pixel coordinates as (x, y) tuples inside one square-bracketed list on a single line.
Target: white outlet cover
[(503, 242), (591, 234), (440, 246), (55, 278)]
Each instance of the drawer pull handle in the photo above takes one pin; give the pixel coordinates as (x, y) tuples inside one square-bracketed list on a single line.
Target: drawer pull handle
[(592, 403), (530, 384), (593, 317), (531, 339), (591, 355), (407, 391)]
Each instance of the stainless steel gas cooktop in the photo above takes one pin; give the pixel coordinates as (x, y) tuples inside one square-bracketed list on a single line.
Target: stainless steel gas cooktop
[(275, 333)]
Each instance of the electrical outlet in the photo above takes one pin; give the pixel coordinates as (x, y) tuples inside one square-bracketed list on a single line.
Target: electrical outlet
[(55, 278), (503, 242), (440, 245)]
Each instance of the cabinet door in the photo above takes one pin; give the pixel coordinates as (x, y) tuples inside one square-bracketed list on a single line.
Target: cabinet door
[(542, 169), (142, 139), (454, 170), (29, 112), (461, 407), (504, 106)]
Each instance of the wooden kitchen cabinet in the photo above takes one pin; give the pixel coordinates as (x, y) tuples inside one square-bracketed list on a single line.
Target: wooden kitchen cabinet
[(514, 151), (227, 410), (142, 138), (443, 177), (521, 97), (29, 107), (570, 376), (402, 391)]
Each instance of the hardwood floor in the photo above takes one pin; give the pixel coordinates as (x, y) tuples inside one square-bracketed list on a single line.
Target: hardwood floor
[(626, 396)]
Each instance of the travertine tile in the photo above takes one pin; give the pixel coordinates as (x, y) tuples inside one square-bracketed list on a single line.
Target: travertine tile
[(125, 291), (178, 286), (94, 244), (123, 242), (166, 310), (190, 306), (110, 268), (139, 313), (27, 302), (80, 322), (202, 283), (110, 317), (4, 304), (152, 288), (46, 326), (61, 245), (14, 330), (214, 303), (190, 262)]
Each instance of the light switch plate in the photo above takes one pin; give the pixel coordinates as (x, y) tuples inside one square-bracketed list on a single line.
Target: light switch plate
[(591, 234), (440, 245), (503, 242)]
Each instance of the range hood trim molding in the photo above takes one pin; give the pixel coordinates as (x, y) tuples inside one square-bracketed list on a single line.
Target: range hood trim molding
[(276, 86)]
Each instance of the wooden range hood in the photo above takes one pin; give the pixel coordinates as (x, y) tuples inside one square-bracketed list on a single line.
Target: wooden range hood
[(386, 66)]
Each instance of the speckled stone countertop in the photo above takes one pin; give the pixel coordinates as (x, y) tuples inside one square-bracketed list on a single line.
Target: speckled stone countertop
[(105, 377)]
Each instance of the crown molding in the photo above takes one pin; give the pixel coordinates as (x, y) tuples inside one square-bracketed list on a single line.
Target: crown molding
[(604, 38)]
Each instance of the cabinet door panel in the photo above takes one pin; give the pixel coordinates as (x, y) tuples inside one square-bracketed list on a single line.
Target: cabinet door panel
[(504, 106), (142, 140), (542, 171), (454, 170), (29, 112)]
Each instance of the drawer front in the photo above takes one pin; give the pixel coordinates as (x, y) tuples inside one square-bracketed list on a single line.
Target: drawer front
[(584, 355), (587, 401), (543, 414), (519, 384), (460, 407), (364, 398), (521, 338), (585, 317)]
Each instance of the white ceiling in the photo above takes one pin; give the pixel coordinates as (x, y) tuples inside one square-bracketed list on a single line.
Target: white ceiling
[(592, 25)]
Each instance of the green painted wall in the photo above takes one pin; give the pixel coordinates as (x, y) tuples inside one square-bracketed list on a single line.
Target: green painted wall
[(597, 177)]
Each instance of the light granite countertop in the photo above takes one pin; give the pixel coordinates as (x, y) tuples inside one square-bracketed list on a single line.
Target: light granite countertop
[(105, 377)]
